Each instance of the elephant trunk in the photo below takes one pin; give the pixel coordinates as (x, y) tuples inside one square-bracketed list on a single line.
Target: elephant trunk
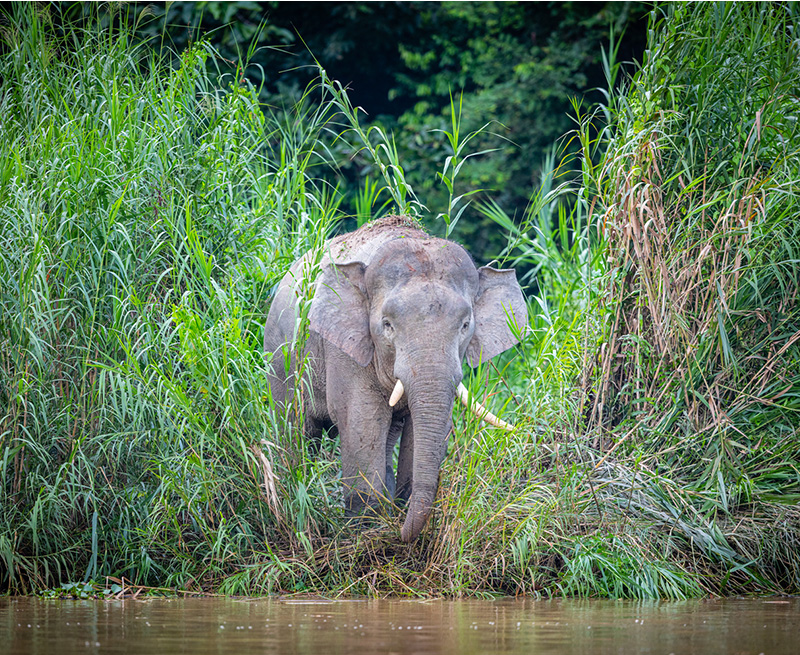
[(430, 401)]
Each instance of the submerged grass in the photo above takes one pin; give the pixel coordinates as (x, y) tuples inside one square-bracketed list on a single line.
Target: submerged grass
[(146, 213)]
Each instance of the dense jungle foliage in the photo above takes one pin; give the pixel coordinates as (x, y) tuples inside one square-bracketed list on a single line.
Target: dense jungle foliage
[(152, 197), (519, 65)]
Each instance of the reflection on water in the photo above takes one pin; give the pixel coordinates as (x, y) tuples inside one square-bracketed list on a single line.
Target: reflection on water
[(239, 626)]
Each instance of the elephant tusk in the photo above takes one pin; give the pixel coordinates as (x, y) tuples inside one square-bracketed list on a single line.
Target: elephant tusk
[(479, 410), (397, 394)]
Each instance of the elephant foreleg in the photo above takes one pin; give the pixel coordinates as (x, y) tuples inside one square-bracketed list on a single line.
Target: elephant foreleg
[(405, 462), (364, 473), (364, 420), (391, 440)]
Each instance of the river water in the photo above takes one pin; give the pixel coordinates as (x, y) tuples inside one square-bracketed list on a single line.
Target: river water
[(317, 627)]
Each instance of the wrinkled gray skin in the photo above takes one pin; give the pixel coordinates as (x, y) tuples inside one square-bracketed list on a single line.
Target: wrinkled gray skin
[(392, 303)]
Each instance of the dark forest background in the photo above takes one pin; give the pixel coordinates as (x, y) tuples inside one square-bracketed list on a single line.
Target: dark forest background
[(522, 68)]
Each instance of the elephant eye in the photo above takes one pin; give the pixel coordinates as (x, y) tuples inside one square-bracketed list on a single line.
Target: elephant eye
[(387, 326), (465, 327)]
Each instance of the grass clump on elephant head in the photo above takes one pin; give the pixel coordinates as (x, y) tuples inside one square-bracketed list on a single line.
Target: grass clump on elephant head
[(393, 313)]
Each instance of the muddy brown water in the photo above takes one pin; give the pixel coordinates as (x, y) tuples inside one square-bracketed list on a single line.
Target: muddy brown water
[(315, 627)]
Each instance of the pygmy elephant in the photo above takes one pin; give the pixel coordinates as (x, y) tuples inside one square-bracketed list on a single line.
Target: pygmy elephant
[(394, 313)]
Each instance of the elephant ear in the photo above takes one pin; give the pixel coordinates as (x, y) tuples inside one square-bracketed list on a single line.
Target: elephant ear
[(339, 310), (500, 314)]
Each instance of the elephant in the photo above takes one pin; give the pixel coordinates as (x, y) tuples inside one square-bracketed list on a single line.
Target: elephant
[(393, 314)]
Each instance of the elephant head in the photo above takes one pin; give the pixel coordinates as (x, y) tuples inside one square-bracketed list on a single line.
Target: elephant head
[(413, 313)]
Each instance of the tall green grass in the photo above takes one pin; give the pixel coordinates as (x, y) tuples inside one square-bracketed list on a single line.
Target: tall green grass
[(147, 212), (698, 374), (667, 302)]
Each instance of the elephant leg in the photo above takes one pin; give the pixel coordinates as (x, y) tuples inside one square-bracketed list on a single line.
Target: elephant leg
[(394, 434), (364, 419), (363, 451), (289, 392), (282, 376), (313, 429), (405, 462)]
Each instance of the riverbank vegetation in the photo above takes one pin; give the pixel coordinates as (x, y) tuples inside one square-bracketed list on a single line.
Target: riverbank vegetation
[(148, 208)]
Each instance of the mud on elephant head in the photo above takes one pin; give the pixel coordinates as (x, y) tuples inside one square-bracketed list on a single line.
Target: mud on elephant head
[(394, 314)]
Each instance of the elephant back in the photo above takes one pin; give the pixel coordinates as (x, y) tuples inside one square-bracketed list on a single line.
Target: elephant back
[(362, 244)]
